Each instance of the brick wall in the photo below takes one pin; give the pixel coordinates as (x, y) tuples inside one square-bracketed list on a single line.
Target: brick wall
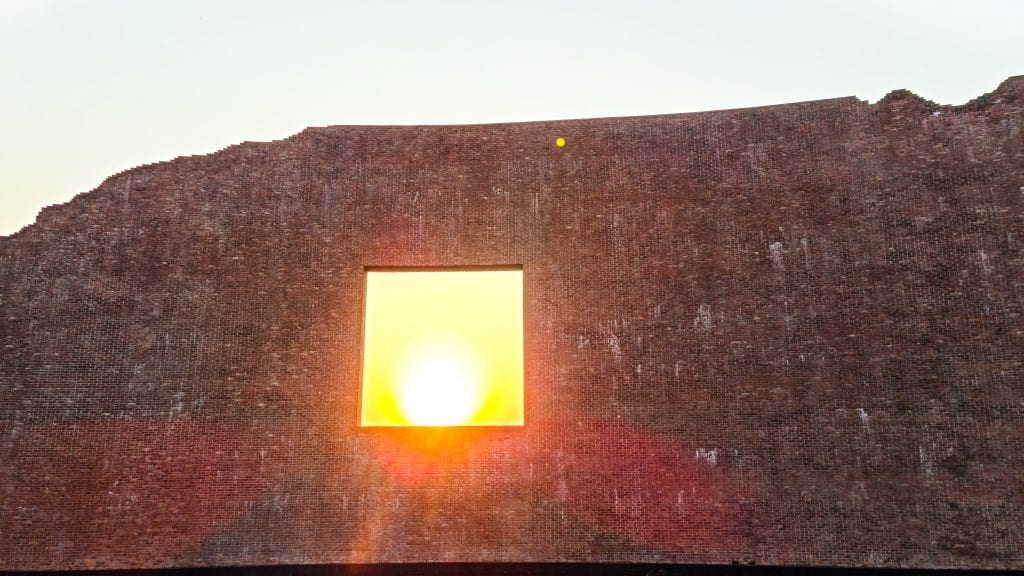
[(779, 335)]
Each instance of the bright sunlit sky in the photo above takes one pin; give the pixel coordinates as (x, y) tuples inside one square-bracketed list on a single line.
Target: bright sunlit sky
[(92, 87)]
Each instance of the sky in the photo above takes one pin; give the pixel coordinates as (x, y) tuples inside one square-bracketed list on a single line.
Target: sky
[(89, 88)]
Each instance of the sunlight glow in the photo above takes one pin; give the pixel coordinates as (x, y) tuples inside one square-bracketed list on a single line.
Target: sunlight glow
[(439, 388), (443, 348)]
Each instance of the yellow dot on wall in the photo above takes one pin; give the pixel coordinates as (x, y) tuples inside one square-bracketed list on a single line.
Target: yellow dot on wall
[(559, 141)]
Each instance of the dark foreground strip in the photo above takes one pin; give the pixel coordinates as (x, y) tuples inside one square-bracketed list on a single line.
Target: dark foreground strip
[(522, 569)]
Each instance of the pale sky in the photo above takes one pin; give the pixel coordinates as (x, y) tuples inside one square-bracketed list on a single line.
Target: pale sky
[(92, 87)]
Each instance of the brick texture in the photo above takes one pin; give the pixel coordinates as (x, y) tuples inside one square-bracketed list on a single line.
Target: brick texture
[(780, 335)]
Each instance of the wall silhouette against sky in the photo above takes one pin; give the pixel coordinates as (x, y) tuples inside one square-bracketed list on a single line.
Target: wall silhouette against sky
[(782, 335)]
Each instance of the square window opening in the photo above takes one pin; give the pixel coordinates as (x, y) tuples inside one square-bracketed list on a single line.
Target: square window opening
[(443, 347)]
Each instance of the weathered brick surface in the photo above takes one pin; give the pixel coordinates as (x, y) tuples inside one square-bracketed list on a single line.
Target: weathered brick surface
[(786, 335)]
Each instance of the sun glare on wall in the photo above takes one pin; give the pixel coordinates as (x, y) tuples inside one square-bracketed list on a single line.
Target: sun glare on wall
[(443, 348)]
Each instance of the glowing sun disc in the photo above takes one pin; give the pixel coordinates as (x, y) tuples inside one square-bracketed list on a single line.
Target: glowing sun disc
[(439, 388)]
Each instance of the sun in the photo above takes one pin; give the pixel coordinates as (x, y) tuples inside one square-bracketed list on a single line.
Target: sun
[(439, 387)]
